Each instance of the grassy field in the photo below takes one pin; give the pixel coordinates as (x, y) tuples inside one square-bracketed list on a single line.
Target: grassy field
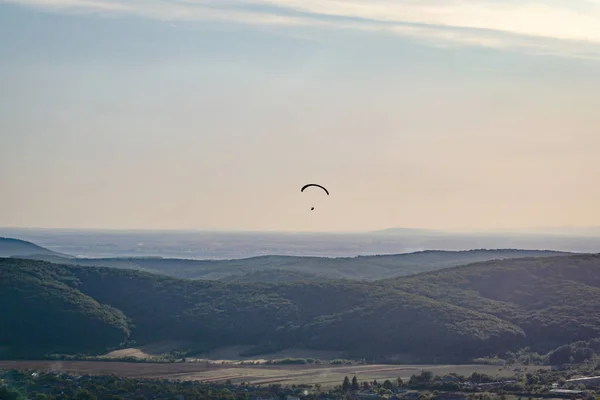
[(326, 375), (230, 355)]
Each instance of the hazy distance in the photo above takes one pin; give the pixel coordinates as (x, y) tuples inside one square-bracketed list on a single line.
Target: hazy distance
[(236, 245)]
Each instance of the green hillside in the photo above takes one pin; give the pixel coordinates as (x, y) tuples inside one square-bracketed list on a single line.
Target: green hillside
[(355, 268), (554, 300), (273, 276), (456, 314), (10, 247), (42, 308)]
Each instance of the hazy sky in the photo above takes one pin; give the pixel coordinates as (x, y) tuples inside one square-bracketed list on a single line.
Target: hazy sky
[(213, 113)]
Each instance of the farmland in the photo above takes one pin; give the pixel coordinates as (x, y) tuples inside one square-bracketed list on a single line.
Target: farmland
[(227, 355), (325, 375)]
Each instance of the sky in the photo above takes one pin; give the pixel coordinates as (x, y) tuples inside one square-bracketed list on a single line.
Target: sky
[(212, 114)]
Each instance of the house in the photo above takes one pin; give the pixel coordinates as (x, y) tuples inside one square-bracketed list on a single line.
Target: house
[(367, 394), (494, 384), (449, 378), (412, 395)]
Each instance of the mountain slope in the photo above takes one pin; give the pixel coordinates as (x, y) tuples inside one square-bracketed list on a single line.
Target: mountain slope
[(554, 300), (20, 248), (455, 314), (42, 308), (310, 314), (273, 276), (355, 268)]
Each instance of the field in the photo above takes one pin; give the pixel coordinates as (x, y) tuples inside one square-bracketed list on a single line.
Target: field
[(228, 355), (326, 375)]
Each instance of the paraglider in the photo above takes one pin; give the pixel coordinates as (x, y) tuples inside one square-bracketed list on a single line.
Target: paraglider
[(314, 184)]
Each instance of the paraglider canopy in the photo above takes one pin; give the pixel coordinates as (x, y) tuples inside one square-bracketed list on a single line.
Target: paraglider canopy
[(314, 184)]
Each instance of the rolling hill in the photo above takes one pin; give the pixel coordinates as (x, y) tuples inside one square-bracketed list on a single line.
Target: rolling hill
[(281, 268), (10, 247), (458, 313), (274, 276), (552, 299), (41, 306)]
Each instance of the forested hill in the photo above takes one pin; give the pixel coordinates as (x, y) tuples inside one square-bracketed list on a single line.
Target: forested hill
[(290, 268), (552, 299), (458, 313), (10, 247)]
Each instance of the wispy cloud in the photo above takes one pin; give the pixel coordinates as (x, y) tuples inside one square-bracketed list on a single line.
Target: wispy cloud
[(562, 27), (559, 19)]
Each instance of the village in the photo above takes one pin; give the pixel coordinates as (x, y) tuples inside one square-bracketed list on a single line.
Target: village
[(423, 386)]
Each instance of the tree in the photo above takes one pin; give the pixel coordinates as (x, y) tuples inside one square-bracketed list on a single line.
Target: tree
[(7, 393), (82, 394), (346, 384), (424, 379), (387, 384), (354, 385), (400, 381)]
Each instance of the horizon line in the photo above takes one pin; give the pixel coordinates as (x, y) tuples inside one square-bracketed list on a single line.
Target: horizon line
[(553, 230)]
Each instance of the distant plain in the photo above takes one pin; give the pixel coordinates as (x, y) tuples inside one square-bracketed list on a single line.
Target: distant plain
[(234, 245)]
